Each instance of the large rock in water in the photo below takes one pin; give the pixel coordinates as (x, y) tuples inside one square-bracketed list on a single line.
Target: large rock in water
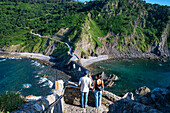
[(143, 90), (113, 77), (108, 81)]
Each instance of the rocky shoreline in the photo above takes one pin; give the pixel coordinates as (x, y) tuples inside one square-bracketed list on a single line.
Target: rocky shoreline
[(155, 101)]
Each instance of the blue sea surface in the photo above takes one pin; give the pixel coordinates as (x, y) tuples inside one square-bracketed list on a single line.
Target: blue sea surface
[(15, 73), (135, 73)]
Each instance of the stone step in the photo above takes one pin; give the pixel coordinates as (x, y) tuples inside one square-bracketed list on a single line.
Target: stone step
[(68, 108)]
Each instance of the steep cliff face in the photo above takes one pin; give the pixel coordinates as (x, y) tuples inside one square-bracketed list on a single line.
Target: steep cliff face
[(160, 48), (86, 44), (136, 39), (129, 46), (163, 45)]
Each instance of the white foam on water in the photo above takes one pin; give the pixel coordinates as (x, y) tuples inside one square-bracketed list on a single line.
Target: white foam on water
[(36, 76), (14, 58), (3, 57), (45, 84), (42, 66), (160, 64), (49, 83), (33, 98), (40, 72), (36, 64), (26, 85), (3, 60), (42, 80), (9, 58), (32, 61)]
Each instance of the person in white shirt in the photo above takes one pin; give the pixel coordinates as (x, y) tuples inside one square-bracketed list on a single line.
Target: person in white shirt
[(85, 85)]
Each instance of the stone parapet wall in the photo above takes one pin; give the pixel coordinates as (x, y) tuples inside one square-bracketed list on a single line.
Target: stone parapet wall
[(73, 95), (37, 106)]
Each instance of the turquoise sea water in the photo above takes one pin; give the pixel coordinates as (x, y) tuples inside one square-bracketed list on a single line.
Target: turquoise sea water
[(14, 73), (135, 73)]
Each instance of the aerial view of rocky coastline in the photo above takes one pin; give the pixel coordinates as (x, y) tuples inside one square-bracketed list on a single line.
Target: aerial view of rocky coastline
[(47, 46)]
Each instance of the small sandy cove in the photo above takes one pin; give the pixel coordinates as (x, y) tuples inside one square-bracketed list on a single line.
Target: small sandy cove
[(26, 55), (92, 60)]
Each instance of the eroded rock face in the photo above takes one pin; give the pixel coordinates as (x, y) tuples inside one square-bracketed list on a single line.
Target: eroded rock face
[(156, 49)]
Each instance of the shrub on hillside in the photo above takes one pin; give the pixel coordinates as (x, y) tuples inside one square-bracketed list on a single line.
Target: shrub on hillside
[(9, 101)]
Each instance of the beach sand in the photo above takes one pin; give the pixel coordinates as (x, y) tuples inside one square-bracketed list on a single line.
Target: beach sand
[(37, 56), (91, 60)]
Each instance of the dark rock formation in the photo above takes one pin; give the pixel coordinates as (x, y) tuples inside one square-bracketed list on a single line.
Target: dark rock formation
[(157, 101), (129, 106)]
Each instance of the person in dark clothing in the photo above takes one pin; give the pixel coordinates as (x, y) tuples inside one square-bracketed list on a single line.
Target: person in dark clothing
[(99, 88)]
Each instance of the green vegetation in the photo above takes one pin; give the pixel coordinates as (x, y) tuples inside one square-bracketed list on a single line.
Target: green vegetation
[(169, 42), (109, 39), (145, 22), (9, 101), (61, 50), (18, 18), (123, 17), (96, 32)]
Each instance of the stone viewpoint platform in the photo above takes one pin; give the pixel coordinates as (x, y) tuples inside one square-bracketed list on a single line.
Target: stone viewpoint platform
[(65, 98)]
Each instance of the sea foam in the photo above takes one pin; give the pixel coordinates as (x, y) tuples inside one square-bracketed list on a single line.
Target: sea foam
[(49, 83), (3, 60), (42, 80), (33, 62), (26, 85), (15, 58), (36, 76)]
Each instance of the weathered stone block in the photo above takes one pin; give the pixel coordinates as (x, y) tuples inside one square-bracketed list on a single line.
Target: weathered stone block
[(37, 107)]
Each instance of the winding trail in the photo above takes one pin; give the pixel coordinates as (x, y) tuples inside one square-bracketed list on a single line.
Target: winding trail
[(75, 57)]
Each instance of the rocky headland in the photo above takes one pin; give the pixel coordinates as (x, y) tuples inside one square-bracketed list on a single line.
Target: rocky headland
[(156, 101)]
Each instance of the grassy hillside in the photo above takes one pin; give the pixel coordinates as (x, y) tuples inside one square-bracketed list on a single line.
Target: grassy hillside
[(144, 22)]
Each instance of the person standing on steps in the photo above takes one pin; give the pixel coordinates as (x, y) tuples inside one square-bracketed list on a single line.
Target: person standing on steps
[(85, 84), (99, 88)]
